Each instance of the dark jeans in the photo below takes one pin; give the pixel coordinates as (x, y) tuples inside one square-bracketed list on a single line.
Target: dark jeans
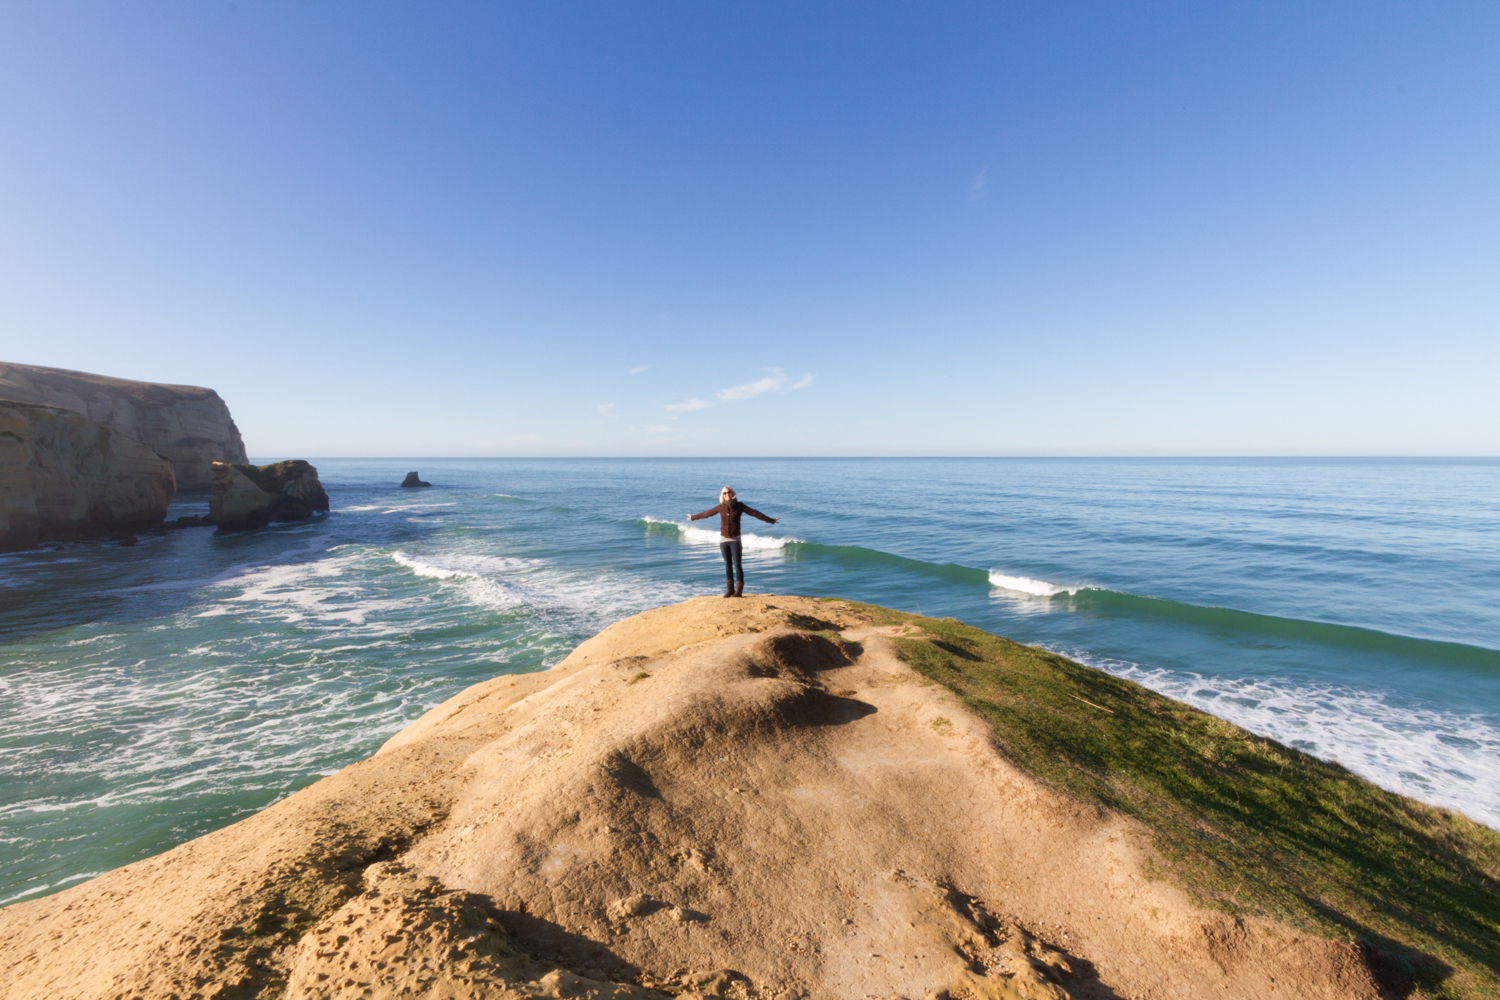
[(733, 553)]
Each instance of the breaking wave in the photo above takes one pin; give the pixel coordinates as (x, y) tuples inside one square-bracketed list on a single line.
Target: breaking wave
[(705, 536), (1026, 585), (428, 570), (1050, 596)]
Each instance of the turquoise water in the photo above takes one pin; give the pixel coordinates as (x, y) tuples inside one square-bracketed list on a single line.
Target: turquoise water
[(154, 693)]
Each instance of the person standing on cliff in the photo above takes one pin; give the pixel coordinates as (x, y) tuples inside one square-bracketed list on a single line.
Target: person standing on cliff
[(729, 510)]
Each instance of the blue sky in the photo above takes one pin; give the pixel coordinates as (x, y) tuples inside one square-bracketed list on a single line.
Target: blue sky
[(768, 229)]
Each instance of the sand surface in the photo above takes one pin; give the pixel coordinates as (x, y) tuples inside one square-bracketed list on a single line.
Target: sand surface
[(739, 798)]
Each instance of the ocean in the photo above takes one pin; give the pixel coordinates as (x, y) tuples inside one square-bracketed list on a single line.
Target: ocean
[(151, 694)]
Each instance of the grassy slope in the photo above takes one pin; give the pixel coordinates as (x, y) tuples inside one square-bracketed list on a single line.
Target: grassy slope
[(1249, 825)]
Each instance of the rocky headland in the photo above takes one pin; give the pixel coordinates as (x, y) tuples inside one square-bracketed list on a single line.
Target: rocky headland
[(795, 798), (65, 477), (90, 456), (252, 496), (186, 424)]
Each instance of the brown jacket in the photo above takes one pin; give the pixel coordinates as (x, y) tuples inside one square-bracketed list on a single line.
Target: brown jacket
[(729, 517)]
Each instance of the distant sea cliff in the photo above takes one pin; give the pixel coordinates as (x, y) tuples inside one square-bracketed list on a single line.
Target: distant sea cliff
[(90, 456), (188, 425)]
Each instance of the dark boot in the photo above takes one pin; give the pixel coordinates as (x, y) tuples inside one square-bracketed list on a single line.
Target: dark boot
[(729, 588), (739, 589)]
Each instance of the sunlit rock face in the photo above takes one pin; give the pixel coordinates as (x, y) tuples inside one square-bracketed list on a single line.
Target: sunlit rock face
[(187, 424), (250, 496), (65, 477)]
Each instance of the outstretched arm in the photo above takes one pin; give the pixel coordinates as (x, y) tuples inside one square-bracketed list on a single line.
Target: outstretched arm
[(751, 510), (707, 513)]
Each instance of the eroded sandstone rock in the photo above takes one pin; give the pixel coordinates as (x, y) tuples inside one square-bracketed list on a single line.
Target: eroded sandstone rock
[(407, 936), (65, 477), (187, 424), (251, 496), (778, 776)]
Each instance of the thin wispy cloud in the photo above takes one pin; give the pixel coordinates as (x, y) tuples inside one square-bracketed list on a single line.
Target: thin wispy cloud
[(775, 382), (691, 404), (636, 370), (980, 188), (607, 409), (752, 389)]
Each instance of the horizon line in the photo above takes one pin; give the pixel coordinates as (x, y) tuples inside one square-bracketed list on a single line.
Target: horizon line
[(1050, 458)]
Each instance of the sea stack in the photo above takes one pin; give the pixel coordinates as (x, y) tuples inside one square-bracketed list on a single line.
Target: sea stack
[(251, 496), (186, 424), (412, 479), (65, 477)]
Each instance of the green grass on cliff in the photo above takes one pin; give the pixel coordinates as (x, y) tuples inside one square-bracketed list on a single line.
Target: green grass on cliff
[(1249, 825)]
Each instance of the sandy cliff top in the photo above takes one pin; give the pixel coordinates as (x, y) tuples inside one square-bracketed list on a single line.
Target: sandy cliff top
[(38, 384), (755, 797)]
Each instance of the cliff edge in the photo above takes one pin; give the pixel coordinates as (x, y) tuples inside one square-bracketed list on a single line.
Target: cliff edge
[(187, 424), (771, 797)]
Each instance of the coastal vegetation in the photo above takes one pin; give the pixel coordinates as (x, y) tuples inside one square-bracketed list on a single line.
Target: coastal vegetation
[(1248, 825)]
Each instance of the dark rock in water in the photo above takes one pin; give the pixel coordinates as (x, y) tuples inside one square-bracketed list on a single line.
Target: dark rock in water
[(251, 496), (65, 477), (412, 479), (192, 521), (129, 540)]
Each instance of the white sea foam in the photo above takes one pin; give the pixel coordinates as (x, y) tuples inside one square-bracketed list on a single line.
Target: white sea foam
[(1445, 759), (449, 565), (704, 536), (80, 875), (407, 507), (507, 582), (53, 885), (1026, 585), (292, 687), (313, 592), (377, 644), (24, 893), (486, 581), (428, 570)]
